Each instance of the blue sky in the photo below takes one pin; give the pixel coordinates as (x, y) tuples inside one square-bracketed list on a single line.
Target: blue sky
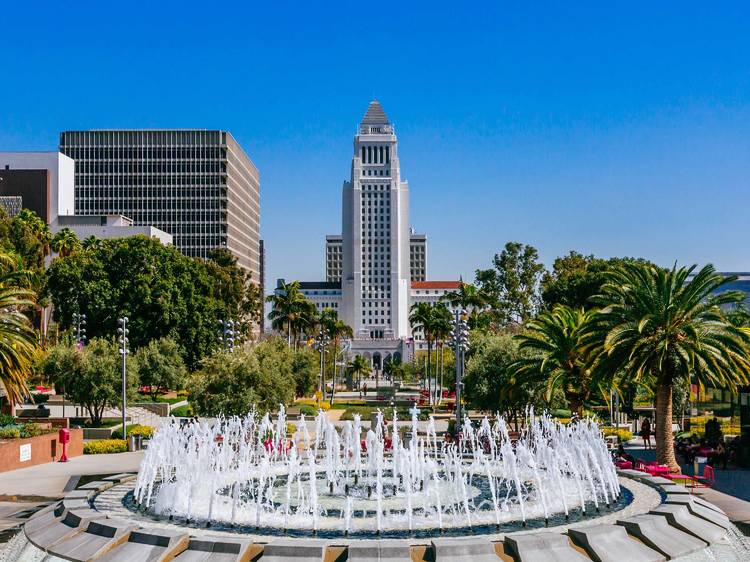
[(612, 128)]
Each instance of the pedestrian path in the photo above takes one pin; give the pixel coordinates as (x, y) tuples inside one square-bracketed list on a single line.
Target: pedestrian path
[(47, 481)]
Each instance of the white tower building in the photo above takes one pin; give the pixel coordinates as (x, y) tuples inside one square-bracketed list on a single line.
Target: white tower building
[(375, 234)]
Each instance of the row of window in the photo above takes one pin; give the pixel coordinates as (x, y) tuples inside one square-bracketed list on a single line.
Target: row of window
[(375, 154)]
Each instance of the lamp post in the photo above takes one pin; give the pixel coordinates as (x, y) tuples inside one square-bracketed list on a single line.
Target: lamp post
[(321, 341), (460, 339), (226, 328), (122, 332), (79, 326)]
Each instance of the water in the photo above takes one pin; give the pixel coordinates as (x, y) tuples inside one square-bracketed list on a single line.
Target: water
[(248, 473)]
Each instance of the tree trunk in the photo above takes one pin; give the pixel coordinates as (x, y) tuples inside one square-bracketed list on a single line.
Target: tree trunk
[(429, 378), (663, 427)]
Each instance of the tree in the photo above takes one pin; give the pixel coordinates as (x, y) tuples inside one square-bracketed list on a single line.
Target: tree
[(91, 243), (305, 367), (557, 339), (291, 312), (18, 341), (65, 242), (512, 286), (492, 383), (164, 293), (92, 376), (160, 366), (422, 316), (261, 377), (358, 368), (337, 330), (576, 278), (664, 326)]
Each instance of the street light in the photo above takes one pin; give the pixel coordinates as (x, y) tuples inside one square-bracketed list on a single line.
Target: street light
[(79, 322), (226, 329), (122, 332), (460, 339), (321, 342)]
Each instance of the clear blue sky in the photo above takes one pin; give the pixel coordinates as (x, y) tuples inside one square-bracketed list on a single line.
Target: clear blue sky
[(613, 128)]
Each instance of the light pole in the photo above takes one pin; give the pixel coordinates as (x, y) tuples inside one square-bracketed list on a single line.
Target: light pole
[(79, 323), (321, 341), (460, 339), (123, 331), (226, 328)]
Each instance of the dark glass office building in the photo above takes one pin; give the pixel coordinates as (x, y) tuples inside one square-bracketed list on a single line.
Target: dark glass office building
[(197, 185)]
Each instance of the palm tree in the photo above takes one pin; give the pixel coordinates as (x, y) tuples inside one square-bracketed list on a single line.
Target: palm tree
[(558, 340), (421, 316), (18, 341), (91, 243), (288, 309), (358, 367), (474, 301), (66, 242), (336, 330), (662, 326), (442, 330)]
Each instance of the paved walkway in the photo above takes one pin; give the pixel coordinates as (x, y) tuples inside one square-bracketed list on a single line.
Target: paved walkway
[(731, 492), (47, 481)]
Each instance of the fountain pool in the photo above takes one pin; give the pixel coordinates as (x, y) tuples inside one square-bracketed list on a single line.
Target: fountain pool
[(251, 472)]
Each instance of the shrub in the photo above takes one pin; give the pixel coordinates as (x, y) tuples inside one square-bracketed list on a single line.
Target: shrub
[(185, 411), (10, 433), (136, 429), (6, 419), (325, 406), (308, 410), (105, 446), (40, 398), (290, 428), (33, 430), (623, 435)]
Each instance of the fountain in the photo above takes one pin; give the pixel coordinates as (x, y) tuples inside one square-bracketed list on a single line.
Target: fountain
[(248, 472)]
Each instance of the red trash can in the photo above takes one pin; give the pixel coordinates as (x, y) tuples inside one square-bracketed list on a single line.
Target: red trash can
[(64, 437)]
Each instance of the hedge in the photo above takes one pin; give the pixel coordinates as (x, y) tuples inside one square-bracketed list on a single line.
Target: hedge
[(10, 433), (623, 435), (105, 446), (136, 429)]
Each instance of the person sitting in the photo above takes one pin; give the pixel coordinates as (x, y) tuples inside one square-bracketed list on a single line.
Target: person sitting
[(720, 456)]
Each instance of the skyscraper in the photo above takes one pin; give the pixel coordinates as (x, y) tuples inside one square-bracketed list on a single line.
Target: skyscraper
[(375, 234), (197, 185), (377, 265)]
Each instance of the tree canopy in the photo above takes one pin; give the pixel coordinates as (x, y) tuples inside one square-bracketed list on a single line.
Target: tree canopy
[(164, 293)]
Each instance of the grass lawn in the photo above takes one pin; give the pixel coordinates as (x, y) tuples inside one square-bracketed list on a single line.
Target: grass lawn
[(160, 399)]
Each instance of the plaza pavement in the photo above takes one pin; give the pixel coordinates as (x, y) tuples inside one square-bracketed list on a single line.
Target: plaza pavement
[(48, 481)]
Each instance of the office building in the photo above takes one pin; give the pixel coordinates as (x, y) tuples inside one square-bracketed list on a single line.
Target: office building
[(197, 185), (42, 182)]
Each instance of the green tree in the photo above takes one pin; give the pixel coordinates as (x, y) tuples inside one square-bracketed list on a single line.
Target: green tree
[(91, 243), (423, 316), (560, 354), (660, 326), (492, 383), (18, 340), (160, 366), (576, 278), (291, 312), (91, 377), (261, 377), (305, 367), (512, 286), (358, 368), (65, 243), (164, 293), (337, 331)]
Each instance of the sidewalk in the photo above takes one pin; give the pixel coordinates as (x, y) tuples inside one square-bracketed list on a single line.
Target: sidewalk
[(47, 481), (731, 491)]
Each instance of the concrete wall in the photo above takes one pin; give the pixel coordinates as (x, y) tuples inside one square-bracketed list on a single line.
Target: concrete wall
[(44, 448)]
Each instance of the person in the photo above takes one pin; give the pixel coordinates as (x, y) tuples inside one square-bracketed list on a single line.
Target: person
[(623, 456), (646, 433), (364, 389)]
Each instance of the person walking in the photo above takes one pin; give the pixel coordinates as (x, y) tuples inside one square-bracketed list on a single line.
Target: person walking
[(646, 433)]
